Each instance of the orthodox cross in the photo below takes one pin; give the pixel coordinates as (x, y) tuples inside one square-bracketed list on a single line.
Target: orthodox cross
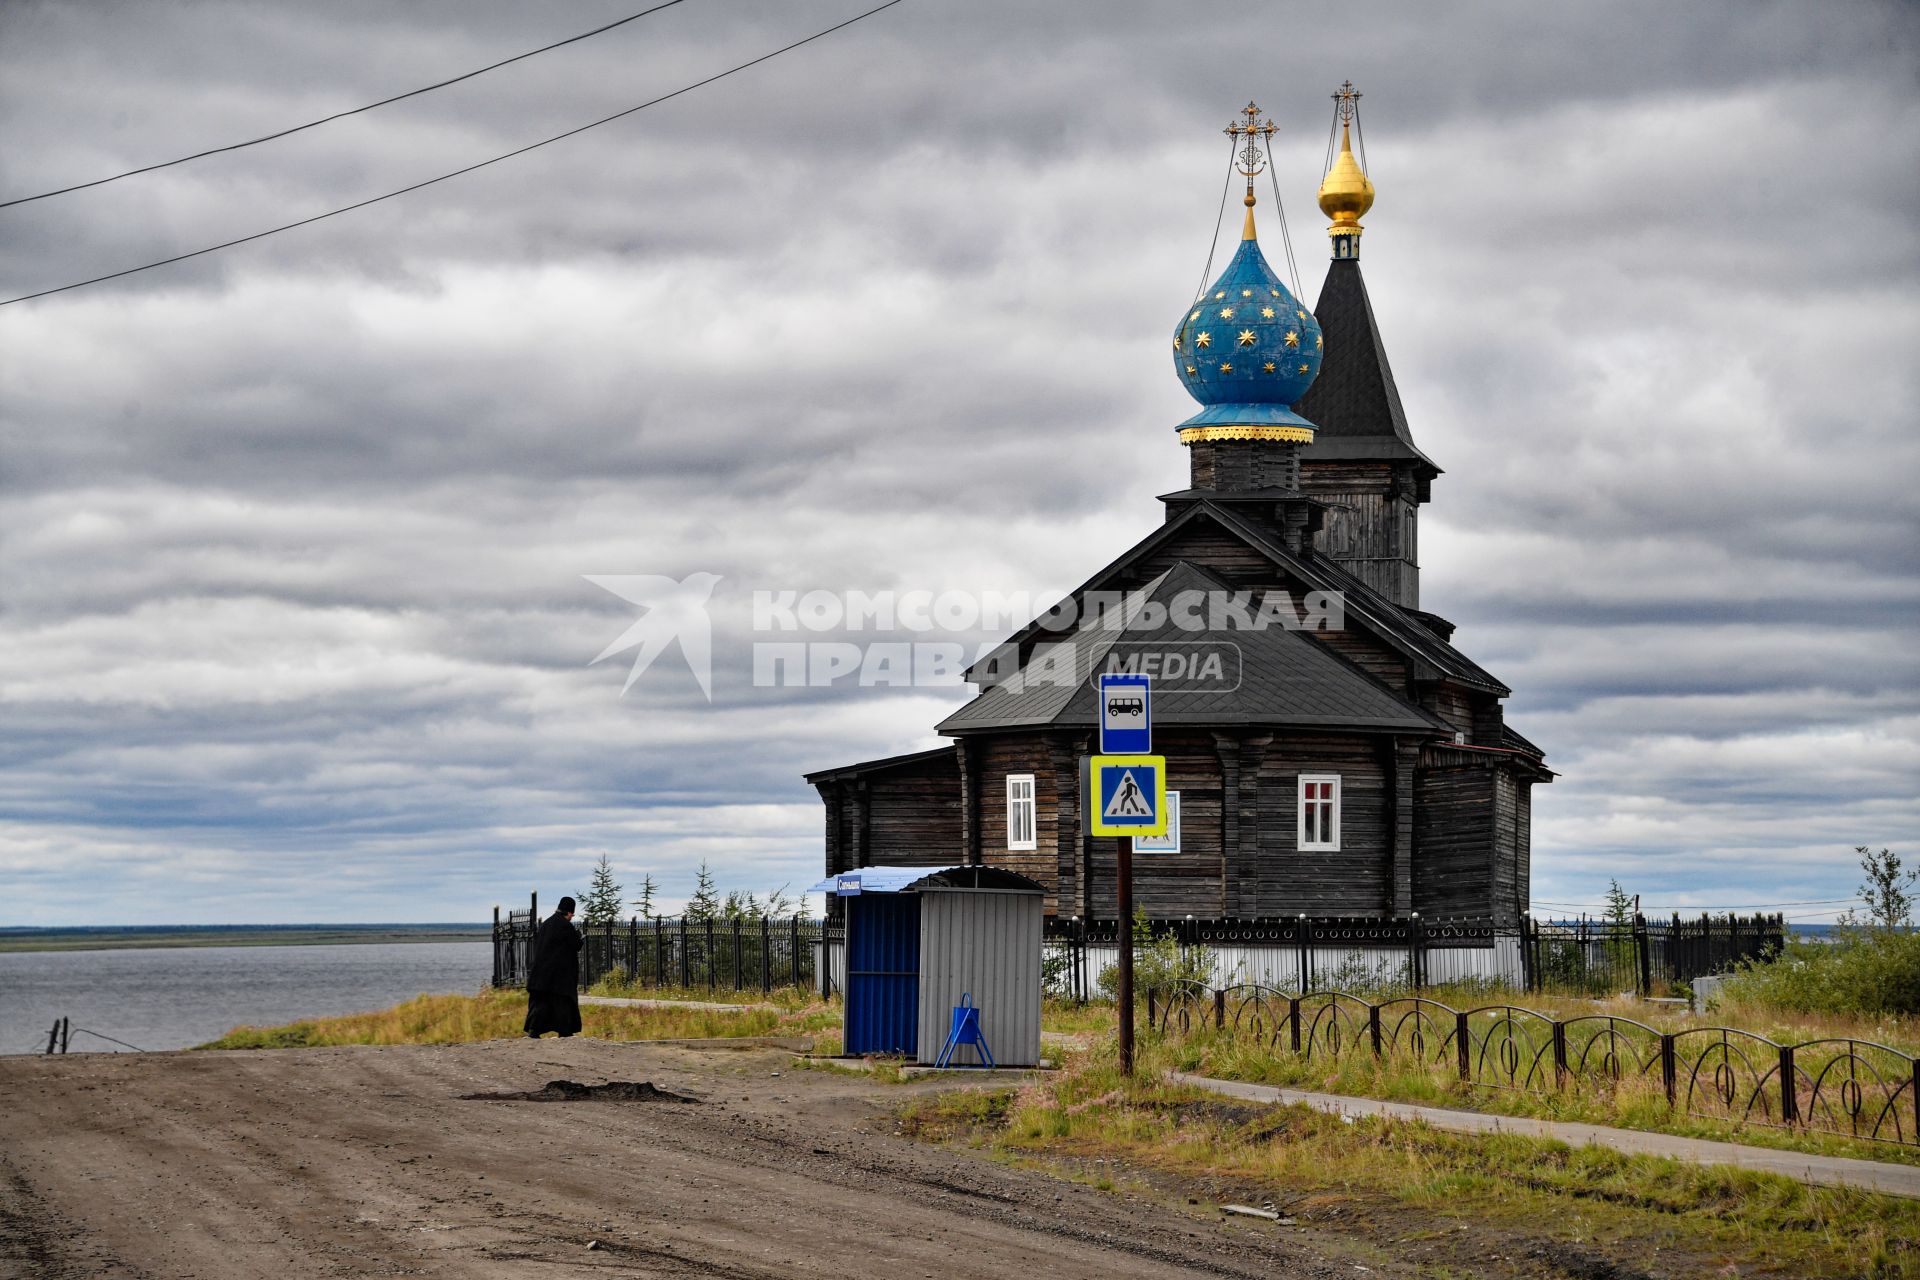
[(1251, 158), (1347, 102)]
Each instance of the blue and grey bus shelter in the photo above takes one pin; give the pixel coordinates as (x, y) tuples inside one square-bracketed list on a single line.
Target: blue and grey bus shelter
[(919, 939)]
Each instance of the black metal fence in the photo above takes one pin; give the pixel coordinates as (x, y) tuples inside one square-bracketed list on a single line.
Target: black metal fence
[(1603, 957), (1302, 953), (718, 955), (1854, 1087)]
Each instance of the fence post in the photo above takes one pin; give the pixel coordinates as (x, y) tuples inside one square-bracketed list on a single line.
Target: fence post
[(1641, 950), (1529, 960), (1669, 1070), (686, 959), (659, 951), (1789, 1088), (711, 976), (766, 954), (1373, 1027), (496, 944), (1465, 1051), (793, 956), (633, 950), (736, 953), (1306, 955), (1220, 1009), (1293, 1020), (1417, 952), (1152, 1005), (1559, 1054)]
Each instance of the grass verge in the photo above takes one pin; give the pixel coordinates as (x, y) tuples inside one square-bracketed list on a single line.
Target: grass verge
[(495, 1015), (1442, 1199)]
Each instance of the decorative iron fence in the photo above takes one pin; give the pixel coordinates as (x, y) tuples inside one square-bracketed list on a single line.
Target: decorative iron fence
[(1302, 953), (731, 955), (1854, 1087)]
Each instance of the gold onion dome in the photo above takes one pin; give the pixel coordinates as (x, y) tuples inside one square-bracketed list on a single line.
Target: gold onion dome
[(1347, 193)]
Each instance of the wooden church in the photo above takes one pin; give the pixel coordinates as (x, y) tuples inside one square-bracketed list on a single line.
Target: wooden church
[(1345, 761)]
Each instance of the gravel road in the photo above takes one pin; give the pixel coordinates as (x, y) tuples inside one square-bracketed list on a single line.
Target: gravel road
[(369, 1162)]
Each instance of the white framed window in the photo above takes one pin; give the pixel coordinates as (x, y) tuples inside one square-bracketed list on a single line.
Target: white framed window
[(1170, 842), (1320, 811), (1020, 825)]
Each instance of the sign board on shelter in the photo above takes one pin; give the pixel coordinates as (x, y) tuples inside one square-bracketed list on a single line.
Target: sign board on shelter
[(1126, 714), (1128, 795)]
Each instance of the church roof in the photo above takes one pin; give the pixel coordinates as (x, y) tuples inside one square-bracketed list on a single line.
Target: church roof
[(1269, 675), (1247, 349), (1354, 404), (1397, 627)]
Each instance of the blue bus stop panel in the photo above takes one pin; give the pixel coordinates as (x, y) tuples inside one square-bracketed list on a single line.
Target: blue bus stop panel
[(883, 974), (1126, 715)]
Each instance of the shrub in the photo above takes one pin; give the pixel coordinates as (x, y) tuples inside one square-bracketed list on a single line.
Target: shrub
[(1866, 971), (1158, 961)]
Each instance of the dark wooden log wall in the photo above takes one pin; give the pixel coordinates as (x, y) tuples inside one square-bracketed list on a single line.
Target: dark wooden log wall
[(1453, 832), (1373, 530), (1356, 880)]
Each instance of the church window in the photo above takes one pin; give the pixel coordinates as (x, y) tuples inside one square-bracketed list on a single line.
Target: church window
[(1320, 811), (1020, 825)]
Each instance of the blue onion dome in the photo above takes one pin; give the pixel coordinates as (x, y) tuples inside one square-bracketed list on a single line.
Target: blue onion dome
[(1247, 350)]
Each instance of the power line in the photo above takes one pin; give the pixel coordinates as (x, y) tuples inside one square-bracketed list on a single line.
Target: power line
[(1738, 906), (339, 115), (334, 213)]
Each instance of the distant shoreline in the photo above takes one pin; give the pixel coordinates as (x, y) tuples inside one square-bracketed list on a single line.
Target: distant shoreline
[(125, 937)]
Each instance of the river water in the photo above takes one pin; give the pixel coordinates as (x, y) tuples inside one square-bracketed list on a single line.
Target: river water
[(176, 997)]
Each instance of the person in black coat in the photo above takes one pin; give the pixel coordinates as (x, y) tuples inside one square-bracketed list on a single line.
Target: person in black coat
[(553, 975)]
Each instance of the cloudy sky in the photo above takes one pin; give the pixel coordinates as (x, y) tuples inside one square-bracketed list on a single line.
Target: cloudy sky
[(294, 616)]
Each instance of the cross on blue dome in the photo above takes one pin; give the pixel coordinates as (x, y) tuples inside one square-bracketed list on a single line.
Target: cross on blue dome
[(1247, 350)]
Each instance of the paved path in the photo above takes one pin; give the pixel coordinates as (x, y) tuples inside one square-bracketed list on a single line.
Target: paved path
[(1833, 1171)]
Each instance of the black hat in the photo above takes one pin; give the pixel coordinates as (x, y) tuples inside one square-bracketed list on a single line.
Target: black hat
[(566, 904)]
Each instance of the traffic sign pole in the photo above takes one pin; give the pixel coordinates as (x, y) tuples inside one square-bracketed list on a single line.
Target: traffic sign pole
[(1124, 887)]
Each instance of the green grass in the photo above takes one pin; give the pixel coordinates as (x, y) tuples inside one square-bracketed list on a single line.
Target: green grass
[(1631, 1104), (495, 1015), (1629, 1207)]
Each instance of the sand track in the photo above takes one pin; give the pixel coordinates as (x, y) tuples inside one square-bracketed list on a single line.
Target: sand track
[(367, 1162)]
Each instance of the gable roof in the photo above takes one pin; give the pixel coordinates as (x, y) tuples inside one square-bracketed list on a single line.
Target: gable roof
[(1269, 676), (1354, 404), (1397, 627)]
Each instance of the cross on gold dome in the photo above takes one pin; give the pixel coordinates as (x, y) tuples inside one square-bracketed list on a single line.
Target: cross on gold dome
[(1347, 101), (1250, 159)]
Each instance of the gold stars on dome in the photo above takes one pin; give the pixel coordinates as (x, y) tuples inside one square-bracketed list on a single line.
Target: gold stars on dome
[(1268, 367), (1302, 316), (1192, 372), (1176, 342), (1194, 316), (1219, 295), (1226, 313), (1292, 338), (1226, 367), (1318, 342), (1246, 293), (1274, 292), (1266, 313), (1204, 340), (1247, 338), (1303, 368)]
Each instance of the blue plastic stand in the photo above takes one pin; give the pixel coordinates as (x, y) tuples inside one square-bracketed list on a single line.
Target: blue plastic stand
[(966, 1030)]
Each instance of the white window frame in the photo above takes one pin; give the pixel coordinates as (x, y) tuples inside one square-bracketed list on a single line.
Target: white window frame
[(1332, 844), (1022, 813)]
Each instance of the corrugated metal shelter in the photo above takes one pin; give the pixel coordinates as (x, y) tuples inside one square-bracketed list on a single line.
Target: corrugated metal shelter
[(920, 938)]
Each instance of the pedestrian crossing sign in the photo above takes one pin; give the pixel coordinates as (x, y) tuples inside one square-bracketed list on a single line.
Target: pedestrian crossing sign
[(1127, 795)]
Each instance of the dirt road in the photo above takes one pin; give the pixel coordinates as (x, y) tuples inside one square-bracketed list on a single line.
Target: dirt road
[(368, 1162)]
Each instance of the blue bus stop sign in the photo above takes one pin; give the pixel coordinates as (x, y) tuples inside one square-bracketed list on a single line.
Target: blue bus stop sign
[(1126, 715)]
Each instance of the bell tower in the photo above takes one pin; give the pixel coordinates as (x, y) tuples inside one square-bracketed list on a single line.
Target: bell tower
[(1362, 461)]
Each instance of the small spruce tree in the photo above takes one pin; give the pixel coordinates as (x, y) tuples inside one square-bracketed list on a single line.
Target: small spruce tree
[(643, 904), (602, 903), (704, 905)]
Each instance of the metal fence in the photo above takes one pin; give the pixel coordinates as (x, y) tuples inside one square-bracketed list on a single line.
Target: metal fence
[(1303, 953), (1854, 1087), (720, 955)]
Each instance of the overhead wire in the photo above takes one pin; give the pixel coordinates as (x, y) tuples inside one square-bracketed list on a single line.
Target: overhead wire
[(1213, 246), (341, 115), (520, 151), (1286, 236)]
